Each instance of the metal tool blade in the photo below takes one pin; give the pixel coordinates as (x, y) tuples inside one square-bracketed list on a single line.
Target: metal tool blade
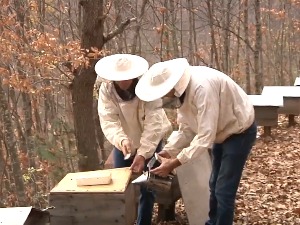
[(151, 163)]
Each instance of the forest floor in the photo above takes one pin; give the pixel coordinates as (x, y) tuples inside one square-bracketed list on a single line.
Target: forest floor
[(269, 193)]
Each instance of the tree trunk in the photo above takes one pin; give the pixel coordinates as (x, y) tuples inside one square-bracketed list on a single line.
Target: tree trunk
[(10, 143), (118, 20), (137, 28), (191, 32), (210, 10), (247, 50), (3, 162), (83, 85), (226, 35), (36, 115), (282, 43), (258, 49), (197, 59), (173, 30), (28, 127), (17, 121), (49, 109)]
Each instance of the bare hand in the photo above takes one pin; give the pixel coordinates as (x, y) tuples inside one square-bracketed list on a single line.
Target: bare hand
[(126, 146), (138, 164), (166, 167)]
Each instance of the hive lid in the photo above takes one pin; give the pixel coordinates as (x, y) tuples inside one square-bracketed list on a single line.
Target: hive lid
[(285, 91), (265, 100), (23, 216), (120, 179), (8, 215)]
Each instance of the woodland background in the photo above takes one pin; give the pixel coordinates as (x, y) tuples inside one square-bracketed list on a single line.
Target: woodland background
[(48, 90)]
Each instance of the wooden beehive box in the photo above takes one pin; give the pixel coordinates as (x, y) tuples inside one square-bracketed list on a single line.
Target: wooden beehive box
[(291, 98), (108, 204), (266, 109)]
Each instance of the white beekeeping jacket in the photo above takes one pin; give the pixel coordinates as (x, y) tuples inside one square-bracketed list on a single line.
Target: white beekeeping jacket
[(145, 123), (214, 108)]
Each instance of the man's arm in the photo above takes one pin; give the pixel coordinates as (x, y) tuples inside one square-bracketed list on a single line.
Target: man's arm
[(110, 118), (156, 125), (179, 139), (207, 102)]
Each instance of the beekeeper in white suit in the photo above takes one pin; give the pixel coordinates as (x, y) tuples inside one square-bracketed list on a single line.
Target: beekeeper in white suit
[(213, 111), (130, 124)]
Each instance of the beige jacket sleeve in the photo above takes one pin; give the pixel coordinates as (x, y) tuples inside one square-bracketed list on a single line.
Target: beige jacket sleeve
[(207, 103), (109, 117), (155, 127), (179, 139)]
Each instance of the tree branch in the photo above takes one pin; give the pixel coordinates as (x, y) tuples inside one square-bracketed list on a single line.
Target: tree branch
[(118, 30)]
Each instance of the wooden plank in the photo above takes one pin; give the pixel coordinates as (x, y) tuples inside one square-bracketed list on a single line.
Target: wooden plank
[(193, 179), (120, 180), (130, 204), (297, 81), (59, 220), (91, 179), (71, 203)]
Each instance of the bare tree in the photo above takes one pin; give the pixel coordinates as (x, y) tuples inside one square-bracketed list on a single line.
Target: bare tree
[(214, 52), (247, 50), (83, 84), (138, 28), (258, 49), (173, 29), (226, 5), (11, 146)]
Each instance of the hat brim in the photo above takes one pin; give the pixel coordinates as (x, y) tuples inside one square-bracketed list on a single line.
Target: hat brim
[(146, 91), (106, 67)]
